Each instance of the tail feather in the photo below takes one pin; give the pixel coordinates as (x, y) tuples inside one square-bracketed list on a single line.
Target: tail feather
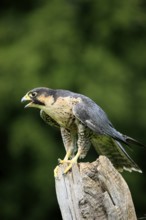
[(130, 141), (111, 148), (131, 165)]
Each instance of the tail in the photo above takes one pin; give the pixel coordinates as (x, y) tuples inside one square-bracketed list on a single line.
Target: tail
[(105, 145), (129, 141), (124, 138)]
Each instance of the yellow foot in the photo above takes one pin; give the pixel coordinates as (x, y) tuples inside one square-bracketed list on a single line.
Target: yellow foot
[(66, 160), (72, 162), (56, 172), (63, 161)]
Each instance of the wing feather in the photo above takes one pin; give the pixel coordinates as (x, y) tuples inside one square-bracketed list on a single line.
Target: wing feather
[(105, 137), (111, 148), (95, 118)]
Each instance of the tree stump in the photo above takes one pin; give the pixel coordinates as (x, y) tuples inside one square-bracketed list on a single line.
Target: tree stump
[(94, 191)]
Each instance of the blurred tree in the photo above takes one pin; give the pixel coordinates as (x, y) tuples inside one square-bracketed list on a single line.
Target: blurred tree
[(97, 48)]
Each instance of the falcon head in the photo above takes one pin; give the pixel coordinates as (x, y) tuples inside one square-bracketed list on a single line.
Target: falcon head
[(37, 97)]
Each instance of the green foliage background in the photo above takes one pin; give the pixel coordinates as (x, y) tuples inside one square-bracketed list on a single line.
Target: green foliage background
[(97, 48)]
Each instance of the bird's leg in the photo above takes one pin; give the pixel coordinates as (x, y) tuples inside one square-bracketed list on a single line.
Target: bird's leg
[(69, 141), (83, 146), (73, 161), (66, 158), (69, 144)]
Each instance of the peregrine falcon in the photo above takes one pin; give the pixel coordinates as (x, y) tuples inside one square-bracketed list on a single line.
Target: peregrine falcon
[(82, 123)]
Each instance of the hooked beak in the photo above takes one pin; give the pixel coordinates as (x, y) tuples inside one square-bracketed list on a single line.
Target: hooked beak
[(27, 98)]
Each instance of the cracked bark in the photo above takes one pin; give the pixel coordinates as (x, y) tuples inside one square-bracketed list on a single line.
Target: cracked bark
[(94, 191)]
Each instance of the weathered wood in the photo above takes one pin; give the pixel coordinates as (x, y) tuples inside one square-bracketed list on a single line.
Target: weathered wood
[(94, 191)]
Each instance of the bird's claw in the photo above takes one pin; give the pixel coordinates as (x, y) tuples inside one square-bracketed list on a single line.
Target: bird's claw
[(63, 161), (56, 171), (68, 168), (72, 162)]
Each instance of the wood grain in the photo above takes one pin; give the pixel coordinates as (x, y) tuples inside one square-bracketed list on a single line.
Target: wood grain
[(94, 191)]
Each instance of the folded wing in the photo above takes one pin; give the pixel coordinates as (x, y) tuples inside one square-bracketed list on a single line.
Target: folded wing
[(105, 137)]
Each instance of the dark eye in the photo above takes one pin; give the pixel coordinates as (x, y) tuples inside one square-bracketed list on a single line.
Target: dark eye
[(33, 94)]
